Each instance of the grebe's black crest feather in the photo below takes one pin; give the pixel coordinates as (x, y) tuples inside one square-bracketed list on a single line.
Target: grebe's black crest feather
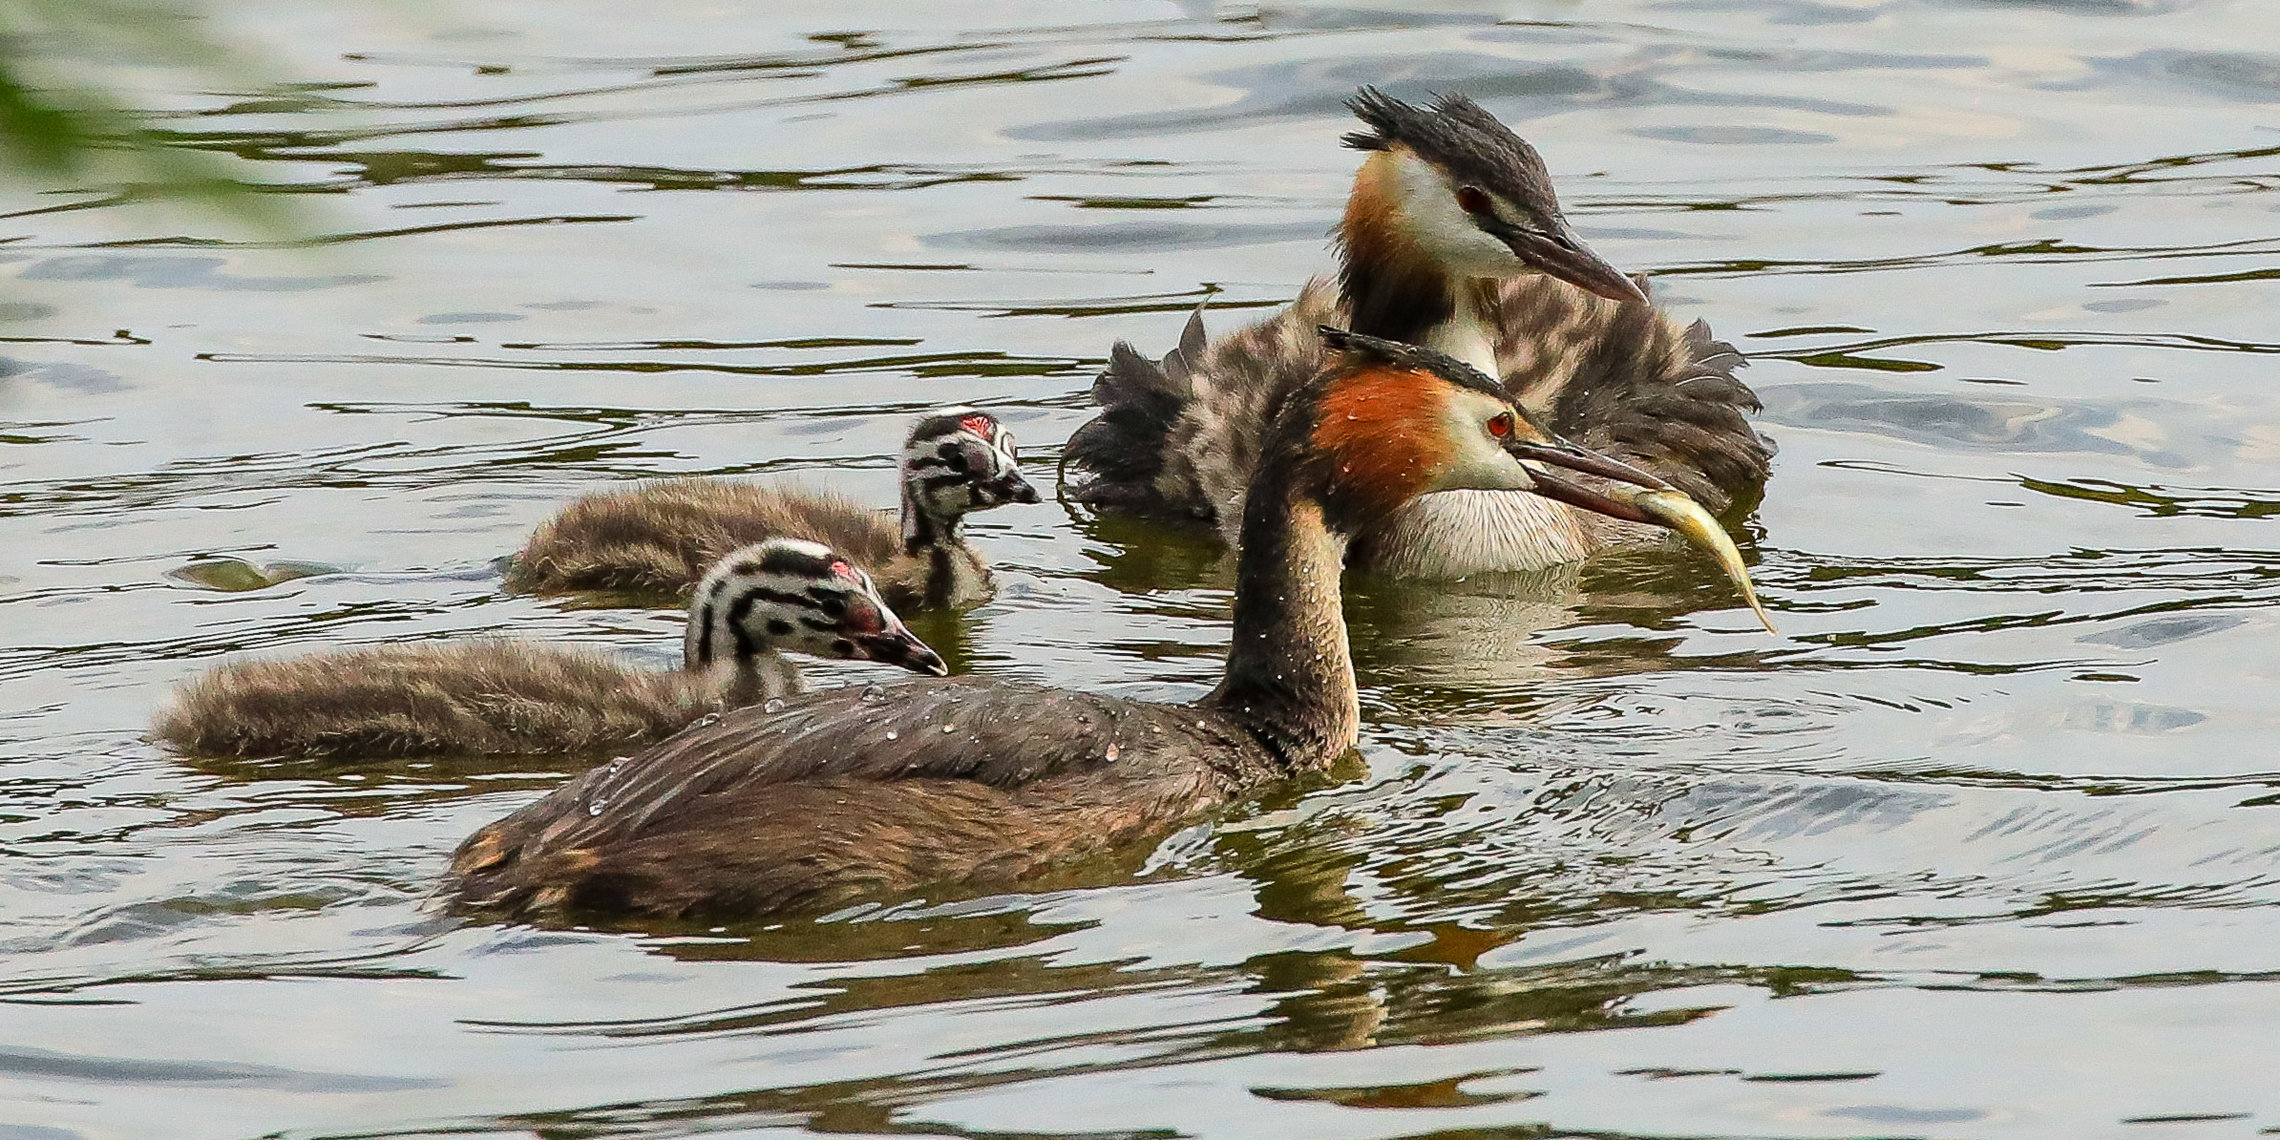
[(1457, 135), (1411, 357)]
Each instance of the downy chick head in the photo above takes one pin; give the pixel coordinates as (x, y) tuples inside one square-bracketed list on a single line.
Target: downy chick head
[(959, 460), (789, 594), (1452, 184)]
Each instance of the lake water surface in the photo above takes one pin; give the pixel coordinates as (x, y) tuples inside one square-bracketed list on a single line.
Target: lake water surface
[(1985, 844)]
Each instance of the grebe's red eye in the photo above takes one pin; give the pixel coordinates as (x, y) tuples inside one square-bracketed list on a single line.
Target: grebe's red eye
[(1500, 425), (1471, 200)]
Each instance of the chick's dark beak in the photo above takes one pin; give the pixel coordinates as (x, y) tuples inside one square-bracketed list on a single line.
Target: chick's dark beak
[(899, 646), (1560, 253), (1018, 490)]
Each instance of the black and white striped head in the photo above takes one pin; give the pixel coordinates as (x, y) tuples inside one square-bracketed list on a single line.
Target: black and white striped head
[(802, 596), (1470, 194), (959, 460)]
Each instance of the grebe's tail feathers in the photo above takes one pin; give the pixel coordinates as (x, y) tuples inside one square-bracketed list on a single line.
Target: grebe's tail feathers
[(1141, 402), (1671, 404), (1711, 355)]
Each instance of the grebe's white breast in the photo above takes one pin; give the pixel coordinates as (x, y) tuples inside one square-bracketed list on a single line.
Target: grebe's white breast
[(1451, 534)]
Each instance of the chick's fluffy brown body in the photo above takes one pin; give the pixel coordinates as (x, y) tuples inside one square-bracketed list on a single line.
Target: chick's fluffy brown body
[(659, 538), (483, 697)]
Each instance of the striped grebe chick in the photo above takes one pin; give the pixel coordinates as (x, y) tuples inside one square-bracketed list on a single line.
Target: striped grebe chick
[(497, 697), (1452, 238), (971, 782), (658, 538)]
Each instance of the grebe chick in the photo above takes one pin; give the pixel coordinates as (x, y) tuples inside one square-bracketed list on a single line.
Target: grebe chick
[(1452, 238), (658, 538), (976, 782), (497, 697)]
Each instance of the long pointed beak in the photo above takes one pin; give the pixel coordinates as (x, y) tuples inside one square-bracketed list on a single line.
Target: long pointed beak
[(899, 646), (1640, 497), (1561, 453), (1562, 254)]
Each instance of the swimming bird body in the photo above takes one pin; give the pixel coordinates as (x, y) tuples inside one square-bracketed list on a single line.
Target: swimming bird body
[(496, 697), (983, 783), (1452, 239), (660, 537)]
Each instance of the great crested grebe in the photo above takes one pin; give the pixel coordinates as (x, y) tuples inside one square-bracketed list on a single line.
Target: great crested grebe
[(973, 781), (660, 537), (496, 697), (1452, 239)]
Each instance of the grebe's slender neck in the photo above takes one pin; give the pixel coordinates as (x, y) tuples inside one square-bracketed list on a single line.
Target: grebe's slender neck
[(1396, 290), (1290, 680), (1393, 288), (1467, 334)]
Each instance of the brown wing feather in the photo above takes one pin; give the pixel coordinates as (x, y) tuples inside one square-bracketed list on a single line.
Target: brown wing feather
[(1240, 382), (824, 842), (661, 537), (1124, 446), (1628, 380), (873, 763)]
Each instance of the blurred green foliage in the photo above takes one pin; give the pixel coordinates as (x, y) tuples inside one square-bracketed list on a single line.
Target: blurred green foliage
[(71, 74)]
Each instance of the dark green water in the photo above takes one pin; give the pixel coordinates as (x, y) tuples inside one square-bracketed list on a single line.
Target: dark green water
[(1987, 844)]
